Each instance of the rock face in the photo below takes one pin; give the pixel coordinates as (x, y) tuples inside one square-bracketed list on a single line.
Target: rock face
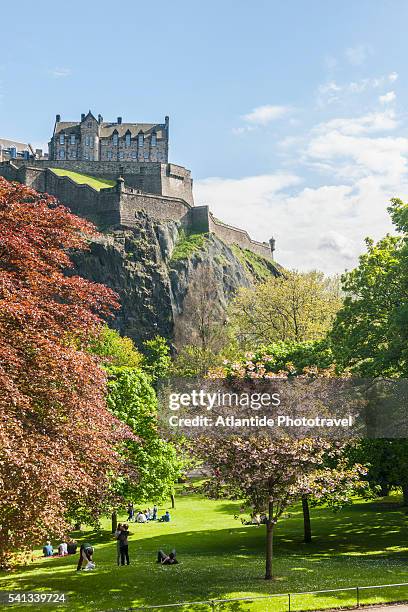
[(151, 265)]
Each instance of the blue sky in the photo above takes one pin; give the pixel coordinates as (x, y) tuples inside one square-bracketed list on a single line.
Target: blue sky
[(291, 115)]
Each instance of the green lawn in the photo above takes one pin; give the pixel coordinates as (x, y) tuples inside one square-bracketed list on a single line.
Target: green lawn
[(84, 179), (362, 545)]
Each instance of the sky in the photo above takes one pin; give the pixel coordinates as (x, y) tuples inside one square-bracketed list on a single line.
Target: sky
[(291, 115)]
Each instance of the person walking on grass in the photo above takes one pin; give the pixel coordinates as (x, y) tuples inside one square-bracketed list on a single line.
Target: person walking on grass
[(124, 544)]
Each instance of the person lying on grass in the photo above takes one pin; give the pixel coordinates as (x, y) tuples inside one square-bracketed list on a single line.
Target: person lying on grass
[(167, 559)]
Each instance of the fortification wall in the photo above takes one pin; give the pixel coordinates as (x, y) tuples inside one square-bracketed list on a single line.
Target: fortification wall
[(162, 179), (234, 235), (158, 207), (118, 205), (100, 207)]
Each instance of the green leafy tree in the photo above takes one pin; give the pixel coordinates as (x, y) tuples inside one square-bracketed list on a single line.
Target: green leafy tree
[(370, 335), (157, 360), (132, 399), (295, 307), (114, 349)]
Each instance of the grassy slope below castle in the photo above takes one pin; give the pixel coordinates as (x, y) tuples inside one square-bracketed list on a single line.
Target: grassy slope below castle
[(84, 179), (364, 544)]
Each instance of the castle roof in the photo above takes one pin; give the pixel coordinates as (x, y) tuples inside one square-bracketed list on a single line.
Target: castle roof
[(107, 129)]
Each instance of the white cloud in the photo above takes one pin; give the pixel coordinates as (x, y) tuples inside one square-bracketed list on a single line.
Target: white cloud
[(357, 55), (369, 123), (59, 73), (332, 91), (262, 115), (388, 97), (360, 163)]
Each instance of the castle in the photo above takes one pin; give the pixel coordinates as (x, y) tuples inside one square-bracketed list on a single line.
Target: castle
[(97, 140), (135, 157)]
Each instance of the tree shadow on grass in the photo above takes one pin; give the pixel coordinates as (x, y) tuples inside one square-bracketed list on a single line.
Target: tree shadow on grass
[(215, 563)]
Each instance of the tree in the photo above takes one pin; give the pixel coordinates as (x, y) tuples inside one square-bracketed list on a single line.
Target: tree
[(202, 323), (295, 307), (302, 359), (269, 474), (58, 441), (115, 350), (370, 335), (132, 399), (156, 358)]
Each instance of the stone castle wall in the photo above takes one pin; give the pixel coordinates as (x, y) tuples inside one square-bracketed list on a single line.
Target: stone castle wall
[(234, 235), (169, 180), (115, 206)]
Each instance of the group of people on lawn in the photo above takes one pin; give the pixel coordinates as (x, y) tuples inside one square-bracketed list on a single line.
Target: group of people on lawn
[(66, 547), (147, 515), (122, 545)]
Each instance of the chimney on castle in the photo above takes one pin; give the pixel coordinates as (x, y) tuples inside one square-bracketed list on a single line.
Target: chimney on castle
[(100, 118), (272, 243), (57, 118), (82, 117), (119, 120)]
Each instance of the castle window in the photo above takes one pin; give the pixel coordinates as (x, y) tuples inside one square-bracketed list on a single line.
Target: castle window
[(89, 124), (134, 155), (146, 154), (121, 155), (73, 154), (109, 154), (140, 140), (127, 139), (61, 154), (115, 139), (72, 139), (62, 139), (154, 139)]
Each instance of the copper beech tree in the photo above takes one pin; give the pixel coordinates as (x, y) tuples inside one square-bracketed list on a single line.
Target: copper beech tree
[(58, 442)]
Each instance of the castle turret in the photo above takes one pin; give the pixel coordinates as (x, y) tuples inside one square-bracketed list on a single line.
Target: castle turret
[(272, 243)]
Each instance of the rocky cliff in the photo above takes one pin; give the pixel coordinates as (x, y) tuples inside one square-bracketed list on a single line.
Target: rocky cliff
[(151, 266)]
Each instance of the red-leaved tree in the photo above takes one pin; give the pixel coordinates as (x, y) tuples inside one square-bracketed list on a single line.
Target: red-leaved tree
[(58, 442)]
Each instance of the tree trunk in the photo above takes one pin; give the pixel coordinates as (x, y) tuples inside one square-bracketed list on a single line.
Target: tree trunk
[(269, 542), (307, 527), (405, 493), (385, 489), (114, 521), (173, 500)]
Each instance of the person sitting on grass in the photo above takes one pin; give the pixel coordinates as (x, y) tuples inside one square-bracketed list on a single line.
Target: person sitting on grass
[(63, 549), (48, 550), (169, 559), (71, 547), (165, 518), (85, 556), (141, 517)]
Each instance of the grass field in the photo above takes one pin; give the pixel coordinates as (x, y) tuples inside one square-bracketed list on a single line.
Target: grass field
[(84, 179), (366, 544)]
